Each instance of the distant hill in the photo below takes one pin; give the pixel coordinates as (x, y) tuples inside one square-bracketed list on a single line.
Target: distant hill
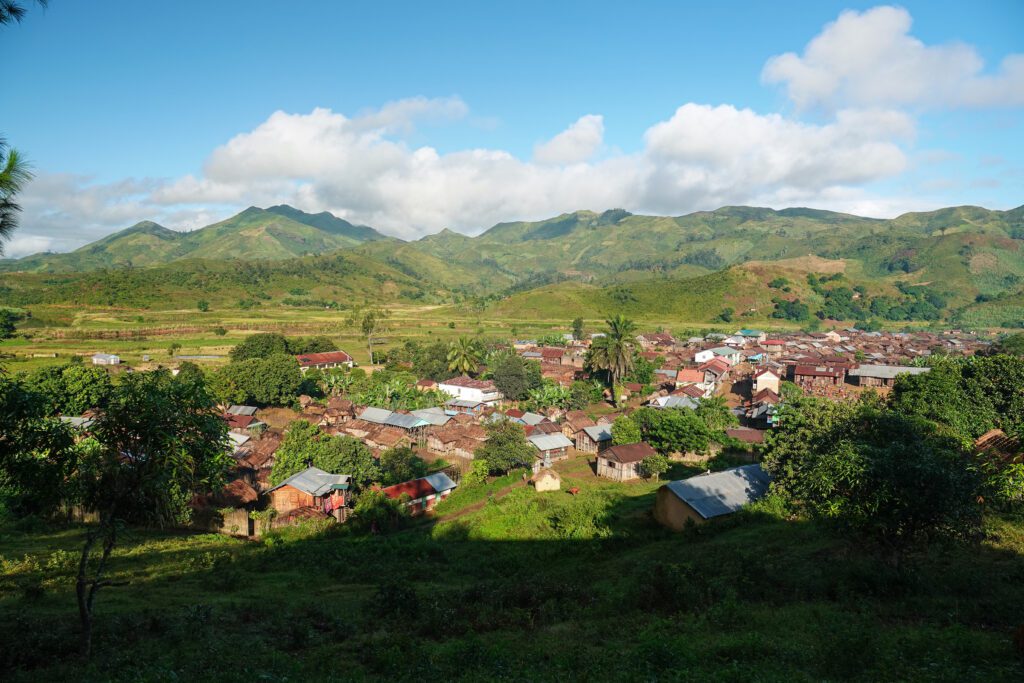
[(970, 258), (279, 232)]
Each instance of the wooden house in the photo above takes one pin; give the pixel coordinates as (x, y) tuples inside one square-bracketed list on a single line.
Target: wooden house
[(620, 462)]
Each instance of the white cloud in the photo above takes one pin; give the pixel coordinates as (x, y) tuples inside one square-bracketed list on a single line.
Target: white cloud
[(24, 245), (577, 143), (870, 59)]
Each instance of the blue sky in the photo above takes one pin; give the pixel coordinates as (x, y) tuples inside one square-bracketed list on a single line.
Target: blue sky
[(136, 110)]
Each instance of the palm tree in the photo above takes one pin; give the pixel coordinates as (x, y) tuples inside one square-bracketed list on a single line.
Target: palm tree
[(613, 352), (14, 174), (464, 355)]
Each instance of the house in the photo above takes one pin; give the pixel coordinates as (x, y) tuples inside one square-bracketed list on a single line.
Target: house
[(715, 370), (106, 359), (547, 480), (656, 340), (594, 439), (550, 447), (423, 493), (436, 417), (774, 347), (882, 375), (241, 410), (999, 448), (324, 361), (413, 425), (754, 437), (675, 401), (465, 388), (753, 336), (243, 424), (620, 462), (728, 354), (314, 489), (574, 423), (706, 496), (765, 379), (808, 376), (686, 376), (426, 385), (455, 406)]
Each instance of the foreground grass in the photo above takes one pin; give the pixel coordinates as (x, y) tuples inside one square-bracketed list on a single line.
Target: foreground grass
[(589, 588)]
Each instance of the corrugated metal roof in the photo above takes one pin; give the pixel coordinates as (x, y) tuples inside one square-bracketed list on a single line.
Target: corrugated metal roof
[(315, 481), (405, 421), (435, 416), (549, 442), (713, 495), (532, 418), (440, 481), (676, 402), (886, 371), (599, 432), (376, 415), (242, 410)]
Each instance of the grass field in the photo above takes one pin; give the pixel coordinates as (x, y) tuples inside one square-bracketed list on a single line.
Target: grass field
[(507, 583)]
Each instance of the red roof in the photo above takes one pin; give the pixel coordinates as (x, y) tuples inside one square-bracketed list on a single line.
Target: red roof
[(746, 435), (715, 364), (238, 421), (690, 390), (417, 488), (309, 359), (773, 342), (689, 375), (764, 372), (550, 352)]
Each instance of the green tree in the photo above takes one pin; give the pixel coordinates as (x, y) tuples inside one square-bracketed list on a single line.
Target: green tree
[(625, 430), (673, 430), (653, 466), (642, 371), (375, 512), (369, 321), (583, 393), (219, 331), (14, 174), (878, 473), (577, 329), (275, 380), (515, 376), (70, 389), (157, 443), (8, 319), (464, 355), (203, 305), (401, 464), (1012, 345), (305, 445), (613, 353), (260, 345), (715, 413), (506, 447), (319, 344)]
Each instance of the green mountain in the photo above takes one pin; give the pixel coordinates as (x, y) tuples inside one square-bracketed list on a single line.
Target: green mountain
[(280, 232), (968, 259)]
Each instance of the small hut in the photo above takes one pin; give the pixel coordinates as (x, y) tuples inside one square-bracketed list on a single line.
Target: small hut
[(547, 480)]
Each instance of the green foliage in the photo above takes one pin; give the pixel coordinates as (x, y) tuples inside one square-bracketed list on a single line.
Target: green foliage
[(725, 316), (897, 479), (653, 466), (625, 430), (548, 395), (968, 395), (260, 345), (642, 371), (672, 430), (401, 464), (319, 344), (375, 512), (203, 305), (791, 310), (273, 380), (779, 283), (506, 447), (1011, 344), (477, 474), (464, 355), (305, 445), (613, 352), (428, 360), (577, 328), (8, 319), (515, 376), (220, 331), (70, 389), (715, 413), (583, 393)]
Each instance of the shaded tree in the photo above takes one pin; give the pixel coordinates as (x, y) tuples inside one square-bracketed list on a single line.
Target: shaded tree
[(401, 464), (260, 345), (515, 376), (613, 353), (506, 447)]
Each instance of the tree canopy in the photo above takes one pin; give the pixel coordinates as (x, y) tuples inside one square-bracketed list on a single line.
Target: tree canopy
[(506, 447)]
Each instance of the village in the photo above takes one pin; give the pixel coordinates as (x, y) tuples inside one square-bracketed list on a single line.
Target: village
[(750, 373)]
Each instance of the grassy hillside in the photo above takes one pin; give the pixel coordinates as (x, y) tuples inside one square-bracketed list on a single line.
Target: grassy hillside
[(525, 586), (280, 232)]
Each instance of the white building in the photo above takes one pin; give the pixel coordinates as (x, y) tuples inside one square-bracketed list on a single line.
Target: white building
[(105, 359), (468, 389), (729, 355)]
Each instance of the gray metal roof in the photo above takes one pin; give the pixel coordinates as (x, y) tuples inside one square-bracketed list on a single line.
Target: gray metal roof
[(886, 371), (435, 416), (548, 442), (242, 410), (461, 403), (77, 422), (440, 481), (405, 421), (532, 418), (720, 493), (315, 481), (599, 432), (676, 402), (377, 415), (723, 351)]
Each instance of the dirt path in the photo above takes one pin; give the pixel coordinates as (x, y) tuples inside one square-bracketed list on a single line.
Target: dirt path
[(498, 495)]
